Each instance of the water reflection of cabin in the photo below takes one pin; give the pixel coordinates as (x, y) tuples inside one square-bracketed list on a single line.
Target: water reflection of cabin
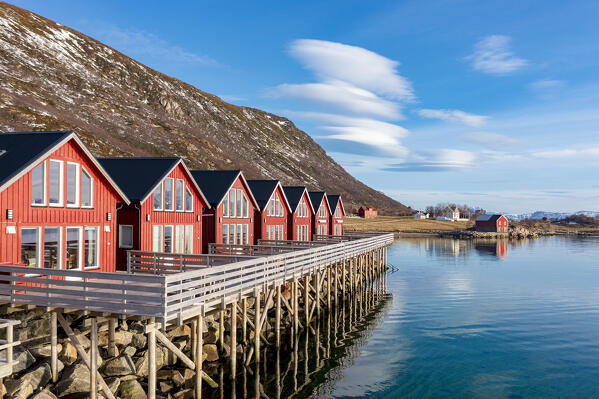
[(337, 214), (58, 204), (299, 224), (270, 221), (320, 202)]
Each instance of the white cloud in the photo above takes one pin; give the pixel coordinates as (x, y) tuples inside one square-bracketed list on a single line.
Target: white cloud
[(435, 161), (354, 65), (492, 55), (544, 84), (453, 115), (567, 154), (342, 96), (490, 139)]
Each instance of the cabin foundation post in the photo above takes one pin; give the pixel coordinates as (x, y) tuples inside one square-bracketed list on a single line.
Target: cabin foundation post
[(244, 320), (194, 338), (111, 333), (307, 299), (199, 325), (317, 293), (278, 318), (337, 284), (343, 281), (221, 329), (295, 312), (151, 359), (233, 340), (53, 347), (328, 289), (93, 364), (257, 326)]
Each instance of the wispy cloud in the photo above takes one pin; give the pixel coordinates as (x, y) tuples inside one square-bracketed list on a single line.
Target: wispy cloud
[(568, 154), (489, 139), (492, 55), (454, 115), (435, 161), (544, 84), (141, 43)]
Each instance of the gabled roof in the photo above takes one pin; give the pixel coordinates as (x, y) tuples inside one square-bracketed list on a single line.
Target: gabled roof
[(216, 183), (334, 200), (294, 195), (139, 176), (488, 217), (316, 198), (20, 152), (263, 190)]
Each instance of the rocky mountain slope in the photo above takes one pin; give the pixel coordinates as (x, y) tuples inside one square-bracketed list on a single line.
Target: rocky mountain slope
[(53, 77)]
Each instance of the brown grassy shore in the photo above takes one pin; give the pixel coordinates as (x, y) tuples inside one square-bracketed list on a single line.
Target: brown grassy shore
[(403, 224)]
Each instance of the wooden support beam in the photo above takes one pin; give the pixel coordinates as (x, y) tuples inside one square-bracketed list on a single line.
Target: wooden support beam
[(328, 289), (257, 325), (53, 347), (268, 303), (152, 361), (307, 299), (278, 318), (317, 287), (221, 330), (295, 312), (82, 354), (111, 332), (244, 319), (199, 356), (233, 340), (93, 369)]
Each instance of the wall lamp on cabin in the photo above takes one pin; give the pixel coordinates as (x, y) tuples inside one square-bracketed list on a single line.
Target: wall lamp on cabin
[(9, 214), (109, 216), (147, 217), (198, 218)]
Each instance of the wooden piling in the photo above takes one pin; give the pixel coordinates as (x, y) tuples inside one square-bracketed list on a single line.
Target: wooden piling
[(244, 320), (198, 355), (307, 299), (53, 347), (278, 317), (257, 326), (93, 366), (233, 340), (151, 360), (111, 334)]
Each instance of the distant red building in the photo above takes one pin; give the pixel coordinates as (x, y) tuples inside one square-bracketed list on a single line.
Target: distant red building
[(320, 224), (270, 222), (492, 223), (299, 224), (337, 214), (367, 212)]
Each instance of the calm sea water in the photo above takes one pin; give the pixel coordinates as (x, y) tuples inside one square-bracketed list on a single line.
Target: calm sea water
[(484, 319)]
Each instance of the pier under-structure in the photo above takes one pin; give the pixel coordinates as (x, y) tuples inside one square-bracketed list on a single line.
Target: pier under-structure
[(275, 285)]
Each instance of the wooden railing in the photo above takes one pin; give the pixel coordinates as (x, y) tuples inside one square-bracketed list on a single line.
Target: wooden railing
[(7, 361), (160, 263), (305, 244), (252, 250)]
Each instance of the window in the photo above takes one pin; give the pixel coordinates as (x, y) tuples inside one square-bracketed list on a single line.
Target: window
[(91, 245), (30, 239), (73, 248), (179, 196), (232, 203), (245, 207), (72, 184), (338, 213), (239, 196), (179, 239), (271, 207), (231, 234), (322, 210), (38, 185), (245, 234), (189, 239), (226, 206), (239, 235), (52, 247), (168, 194), (168, 238), (125, 236), (225, 233), (55, 183), (87, 189), (158, 197), (279, 210), (188, 200), (157, 239)]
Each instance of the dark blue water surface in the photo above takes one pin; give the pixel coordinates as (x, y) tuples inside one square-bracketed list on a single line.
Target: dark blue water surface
[(484, 319)]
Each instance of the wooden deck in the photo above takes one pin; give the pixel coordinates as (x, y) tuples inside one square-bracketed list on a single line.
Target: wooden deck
[(174, 287)]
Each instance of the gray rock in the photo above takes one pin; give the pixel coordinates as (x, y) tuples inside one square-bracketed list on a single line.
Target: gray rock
[(23, 358), (119, 366), (68, 354), (29, 382), (130, 350), (113, 383), (44, 350), (179, 331), (32, 329), (44, 394), (141, 364), (122, 338), (139, 341), (131, 389), (210, 352), (74, 380)]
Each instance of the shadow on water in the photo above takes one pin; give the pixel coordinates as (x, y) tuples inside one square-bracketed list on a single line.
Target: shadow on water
[(312, 366)]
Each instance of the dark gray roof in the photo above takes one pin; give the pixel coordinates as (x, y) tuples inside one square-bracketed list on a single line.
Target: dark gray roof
[(262, 190), (138, 177), (20, 150), (316, 198), (486, 217), (215, 183), (294, 195), (333, 201)]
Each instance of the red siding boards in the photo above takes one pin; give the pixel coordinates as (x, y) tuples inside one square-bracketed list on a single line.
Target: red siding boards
[(263, 221), (498, 224), (18, 198), (337, 214), (320, 224), (294, 221)]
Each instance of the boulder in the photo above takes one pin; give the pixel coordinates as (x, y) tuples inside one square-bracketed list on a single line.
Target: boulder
[(139, 340), (68, 354), (165, 386), (30, 382), (141, 364), (210, 336), (32, 329), (74, 380), (188, 379), (113, 383), (184, 394), (131, 389), (179, 331), (44, 350), (130, 351), (23, 358), (121, 338), (210, 352), (44, 394), (119, 366)]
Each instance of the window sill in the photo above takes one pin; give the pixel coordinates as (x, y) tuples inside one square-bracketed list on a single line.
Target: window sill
[(90, 268), (39, 205), (87, 207), (56, 205)]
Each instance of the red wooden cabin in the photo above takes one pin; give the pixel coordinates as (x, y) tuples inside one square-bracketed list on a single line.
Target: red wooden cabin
[(270, 221), (165, 213), (492, 223), (367, 212), (58, 204), (299, 224), (320, 223), (337, 214), (230, 218)]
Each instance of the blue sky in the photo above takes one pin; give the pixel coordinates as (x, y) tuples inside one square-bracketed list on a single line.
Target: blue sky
[(494, 104)]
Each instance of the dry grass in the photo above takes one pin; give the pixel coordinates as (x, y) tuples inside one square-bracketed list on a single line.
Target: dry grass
[(403, 224)]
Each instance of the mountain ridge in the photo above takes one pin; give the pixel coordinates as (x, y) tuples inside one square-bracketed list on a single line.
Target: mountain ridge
[(55, 78)]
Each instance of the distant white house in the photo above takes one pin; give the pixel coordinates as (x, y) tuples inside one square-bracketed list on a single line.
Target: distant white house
[(451, 215), (421, 215)]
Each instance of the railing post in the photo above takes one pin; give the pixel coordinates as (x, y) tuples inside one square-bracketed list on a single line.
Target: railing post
[(129, 262), (154, 264)]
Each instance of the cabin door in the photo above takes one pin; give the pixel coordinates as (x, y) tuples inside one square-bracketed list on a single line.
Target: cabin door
[(74, 250)]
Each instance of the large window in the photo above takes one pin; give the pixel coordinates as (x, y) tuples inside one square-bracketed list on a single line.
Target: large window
[(179, 196), (56, 185), (168, 194), (245, 234), (91, 255), (302, 209), (179, 239), (239, 235), (245, 207), (226, 205), (168, 238), (188, 200), (87, 189), (158, 197), (239, 197), (232, 203), (189, 239), (73, 248), (125, 236), (30, 243), (231, 234), (157, 239), (52, 247), (38, 185), (225, 233), (338, 213), (72, 184), (322, 210)]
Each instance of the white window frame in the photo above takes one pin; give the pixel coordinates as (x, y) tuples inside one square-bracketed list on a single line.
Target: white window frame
[(77, 184), (121, 228), (179, 246), (97, 260), (177, 181), (91, 189), (60, 202), (232, 213), (239, 234), (159, 187), (226, 205), (188, 233), (44, 184), (188, 190), (245, 206), (172, 208), (38, 238), (155, 228), (225, 235), (172, 238), (246, 234), (59, 260), (80, 240), (238, 205)]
